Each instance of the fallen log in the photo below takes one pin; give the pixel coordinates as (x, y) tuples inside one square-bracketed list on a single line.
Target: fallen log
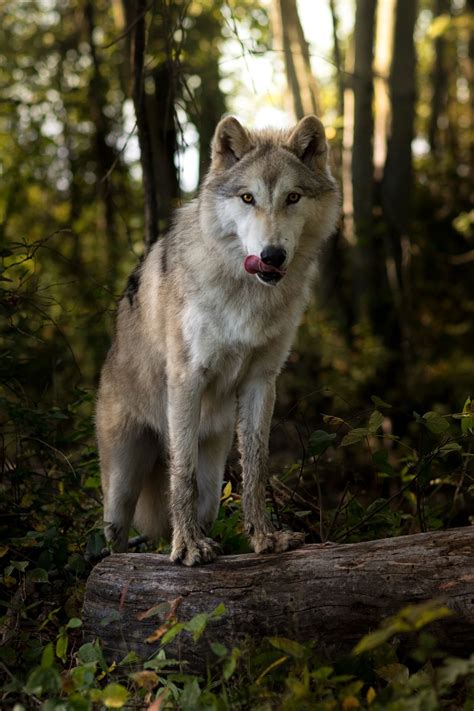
[(331, 594)]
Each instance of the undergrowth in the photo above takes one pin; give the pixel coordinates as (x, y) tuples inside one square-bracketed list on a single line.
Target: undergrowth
[(52, 536)]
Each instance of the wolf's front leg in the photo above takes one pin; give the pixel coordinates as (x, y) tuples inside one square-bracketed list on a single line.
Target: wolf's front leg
[(256, 403), (189, 544)]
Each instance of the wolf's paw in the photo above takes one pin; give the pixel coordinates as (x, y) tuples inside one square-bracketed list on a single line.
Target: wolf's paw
[(276, 542), (195, 551), (116, 537)]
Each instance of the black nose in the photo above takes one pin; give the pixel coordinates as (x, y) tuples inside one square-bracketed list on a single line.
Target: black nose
[(275, 256)]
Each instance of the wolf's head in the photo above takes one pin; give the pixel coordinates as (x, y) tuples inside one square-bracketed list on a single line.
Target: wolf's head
[(268, 192)]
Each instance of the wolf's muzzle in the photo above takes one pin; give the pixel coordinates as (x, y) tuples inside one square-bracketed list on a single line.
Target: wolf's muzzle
[(265, 272), (273, 256)]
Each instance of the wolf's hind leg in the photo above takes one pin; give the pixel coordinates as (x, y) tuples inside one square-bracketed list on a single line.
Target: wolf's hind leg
[(125, 460), (212, 456)]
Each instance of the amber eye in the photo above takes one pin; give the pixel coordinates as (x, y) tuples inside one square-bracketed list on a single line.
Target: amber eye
[(248, 198), (292, 198)]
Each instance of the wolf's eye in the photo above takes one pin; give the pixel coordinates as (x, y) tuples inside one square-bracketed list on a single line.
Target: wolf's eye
[(292, 198), (248, 198)]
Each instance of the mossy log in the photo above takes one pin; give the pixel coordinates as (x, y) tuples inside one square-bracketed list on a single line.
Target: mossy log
[(330, 594)]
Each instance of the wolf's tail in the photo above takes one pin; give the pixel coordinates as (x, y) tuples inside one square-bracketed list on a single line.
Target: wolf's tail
[(152, 511)]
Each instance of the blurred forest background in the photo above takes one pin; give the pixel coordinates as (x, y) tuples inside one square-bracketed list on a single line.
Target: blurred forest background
[(107, 111)]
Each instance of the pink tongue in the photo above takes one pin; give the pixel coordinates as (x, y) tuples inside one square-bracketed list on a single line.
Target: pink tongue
[(253, 264)]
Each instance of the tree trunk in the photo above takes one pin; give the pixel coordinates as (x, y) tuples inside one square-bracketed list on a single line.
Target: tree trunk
[(362, 154), (105, 155), (161, 111), (136, 21), (439, 81), (332, 594), (212, 106), (290, 36), (397, 178), (338, 59)]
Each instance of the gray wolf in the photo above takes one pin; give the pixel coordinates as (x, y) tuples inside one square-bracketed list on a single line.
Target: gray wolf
[(203, 330)]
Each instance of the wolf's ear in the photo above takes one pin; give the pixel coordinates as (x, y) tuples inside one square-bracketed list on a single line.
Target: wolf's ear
[(308, 142), (231, 141)]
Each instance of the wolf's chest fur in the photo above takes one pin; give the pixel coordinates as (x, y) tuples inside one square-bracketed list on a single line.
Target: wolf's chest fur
[(223, 329)]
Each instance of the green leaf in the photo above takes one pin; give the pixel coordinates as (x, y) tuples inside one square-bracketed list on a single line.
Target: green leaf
[(218, 649), (435, 422), (230, 664), (197, 625), (73, 623), (47, 658), (320, 441), (375, 421), (323, 673), (410, 619), (38, 575), (378, 402), (130, 658), (84, 675), (172, 633), (289, 646), (218, 611), (91, 652), (354, 436), (450, 447), (372, 640), (114, 696), (61, 646), (43, 679), (333, 421), (20, 565), (467, 420), (113, 616), (190, 696), (453, 669), (394, 673)]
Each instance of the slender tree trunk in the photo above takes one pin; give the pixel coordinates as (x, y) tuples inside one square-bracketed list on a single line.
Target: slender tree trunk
[(154, 98), (397, 179), (161, 110), (289, 35), (470, 78), (439, 81), (383, 56), (135, 14), (338, 58), (211, 108), (105, 155), (339, 64), (362, 154)]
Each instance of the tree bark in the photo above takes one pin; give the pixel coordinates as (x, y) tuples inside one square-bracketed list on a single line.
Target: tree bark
[(362, 154), (439, 81), (397, 180), (150, 190), (105, 155), (290, 37), (397, 177), (332, 595)]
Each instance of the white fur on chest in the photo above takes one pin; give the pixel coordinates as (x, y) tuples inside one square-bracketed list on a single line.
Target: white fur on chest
[(226, 331)]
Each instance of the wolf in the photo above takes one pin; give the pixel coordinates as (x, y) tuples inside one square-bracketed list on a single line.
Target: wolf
[(203, 330)]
